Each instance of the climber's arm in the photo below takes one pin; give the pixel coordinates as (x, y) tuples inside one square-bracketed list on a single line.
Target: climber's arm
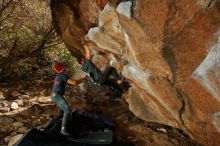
[(88, 52), (75, 82)]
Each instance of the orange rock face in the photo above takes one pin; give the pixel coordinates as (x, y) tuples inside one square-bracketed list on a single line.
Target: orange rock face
[(172, 50)]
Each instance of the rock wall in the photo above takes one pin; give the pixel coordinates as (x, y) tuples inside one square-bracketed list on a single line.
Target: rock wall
[(168, 50)]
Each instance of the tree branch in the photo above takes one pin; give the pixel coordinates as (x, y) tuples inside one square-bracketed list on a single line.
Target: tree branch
[(5, 5)]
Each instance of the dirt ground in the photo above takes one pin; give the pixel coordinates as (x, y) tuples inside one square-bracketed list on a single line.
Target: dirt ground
[(37, 110)]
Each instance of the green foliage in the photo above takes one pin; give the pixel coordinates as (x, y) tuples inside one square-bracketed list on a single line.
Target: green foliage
[(61, 54), (41, 67), (29, 45)]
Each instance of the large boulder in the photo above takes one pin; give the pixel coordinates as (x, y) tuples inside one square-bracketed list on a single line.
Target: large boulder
[(172, 54)]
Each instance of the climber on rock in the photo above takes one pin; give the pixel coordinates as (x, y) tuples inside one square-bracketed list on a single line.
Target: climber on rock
[(97, 76), (58, 91)]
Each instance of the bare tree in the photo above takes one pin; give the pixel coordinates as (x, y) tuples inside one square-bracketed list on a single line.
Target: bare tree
[(4, 5), (29, 32), (48, 40)]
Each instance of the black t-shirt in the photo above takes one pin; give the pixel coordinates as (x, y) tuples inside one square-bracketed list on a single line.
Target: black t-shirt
[(92, 70), (60, 83)]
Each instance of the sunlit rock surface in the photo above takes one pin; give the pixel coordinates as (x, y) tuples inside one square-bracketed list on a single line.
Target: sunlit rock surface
[(168, 50)]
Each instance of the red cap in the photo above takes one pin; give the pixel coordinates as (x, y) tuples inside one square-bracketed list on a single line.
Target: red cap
[(58, 67)]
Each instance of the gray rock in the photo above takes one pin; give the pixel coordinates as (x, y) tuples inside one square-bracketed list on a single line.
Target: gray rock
[(22, 130), (17, 125), (4, 109), (14, 106), (14, 139), (5, 103), (44, 99), (19, 102), (24, 96), (6, 139), (162, 130)]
